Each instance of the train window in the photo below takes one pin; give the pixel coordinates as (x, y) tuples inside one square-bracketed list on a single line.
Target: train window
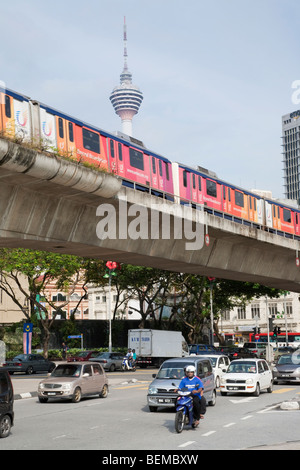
[(120, 152), (194, 181), (254, 200), (71, 132), (160, 168), (239, 198), (278, 213), (287, 215), (224, 193), (296, 214), (211, 188), (136, 159), (61, 128), (91, 140), (167, 171), (7, 106), (250, 202), (112, 150), (199, 182), (229, 194), (184, 178), (153, 166)]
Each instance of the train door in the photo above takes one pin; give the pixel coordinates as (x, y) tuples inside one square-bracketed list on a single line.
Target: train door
[(297, 222), (200, 194), (7, 126), (185, 185), (194, 189), (121, 169), (113, 155), (65, 137), (154, 172), (269, 215), (276, 217)]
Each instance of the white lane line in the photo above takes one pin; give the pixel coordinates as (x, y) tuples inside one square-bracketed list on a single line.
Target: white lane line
[(228, 425), (188, 443), (246, 417), (208, 433)]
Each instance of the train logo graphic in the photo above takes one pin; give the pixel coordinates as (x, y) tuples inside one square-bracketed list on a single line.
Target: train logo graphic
[(22, 118), (47, 128)]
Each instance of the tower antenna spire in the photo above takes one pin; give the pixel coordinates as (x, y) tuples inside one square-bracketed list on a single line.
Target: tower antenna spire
[(126, 98)]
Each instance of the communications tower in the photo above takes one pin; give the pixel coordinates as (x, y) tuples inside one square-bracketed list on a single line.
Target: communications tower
[(126, 98)]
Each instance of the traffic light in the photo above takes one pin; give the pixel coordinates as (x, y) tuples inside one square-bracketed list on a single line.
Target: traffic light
[(275, 332), (278, 330)]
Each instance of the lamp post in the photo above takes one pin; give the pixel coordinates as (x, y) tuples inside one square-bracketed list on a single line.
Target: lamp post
[(211, 280), (111, 265)]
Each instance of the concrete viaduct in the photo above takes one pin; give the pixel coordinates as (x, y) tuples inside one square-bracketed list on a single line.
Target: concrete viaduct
[(52, 204)]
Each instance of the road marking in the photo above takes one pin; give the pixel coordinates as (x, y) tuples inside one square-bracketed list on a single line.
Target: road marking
[(208, 433), (247, 417), (243, 400), (283, 390), (187, 444), (59, 437), (228, 425)]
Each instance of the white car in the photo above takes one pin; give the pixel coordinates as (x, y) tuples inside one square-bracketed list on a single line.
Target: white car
[(247, 376), (220, 364)]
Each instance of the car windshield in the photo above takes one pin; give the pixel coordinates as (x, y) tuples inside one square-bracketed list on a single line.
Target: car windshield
[(173, 370), (67, 370), (213, 360), (289, 359), (104, 355), (83, 354), (242, 367), (22, 357)]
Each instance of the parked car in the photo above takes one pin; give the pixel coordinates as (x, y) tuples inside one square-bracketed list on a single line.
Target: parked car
[(257, 348), (6, 403), (109, 361), (220, 364), (247, 376), (287, 368), (161, 390), (73, 381), (29, 364), (83, 356)]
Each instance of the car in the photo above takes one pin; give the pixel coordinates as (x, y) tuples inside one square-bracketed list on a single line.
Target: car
[(29, 364), (237, 352), (247, 376), (257, 348), (161, 390), (73, 380), (6, 403), (201, 349), (110, 361), (83, 356), (287, 368), (220, 364)]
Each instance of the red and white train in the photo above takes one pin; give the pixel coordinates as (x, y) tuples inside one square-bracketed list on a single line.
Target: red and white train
[(141, 168)]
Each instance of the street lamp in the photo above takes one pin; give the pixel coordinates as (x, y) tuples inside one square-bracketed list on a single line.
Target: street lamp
[(211, 280), (111, 265)]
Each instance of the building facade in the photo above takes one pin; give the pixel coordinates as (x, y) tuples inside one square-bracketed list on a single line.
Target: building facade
[(291, 155)]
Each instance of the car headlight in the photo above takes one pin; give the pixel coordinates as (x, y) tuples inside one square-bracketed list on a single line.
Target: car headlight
[(249, 381), (223, 380), (274, 369), (152, 390), (297, 371), (67, 386), (41, 386)]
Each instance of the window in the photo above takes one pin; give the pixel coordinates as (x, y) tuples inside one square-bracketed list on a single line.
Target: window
[(211, 188), (160, 167), (91, 140), (287, 215), (199, 182), (112, 150), (184, 178), (167, 171), (153, 166), (241, 311), (60, 128), (255, 311), (71, 132), (97, 369), (136, 159), (59, 298), (7, 106), (194, 181), (87, 370), (239, 199), (120, 151)]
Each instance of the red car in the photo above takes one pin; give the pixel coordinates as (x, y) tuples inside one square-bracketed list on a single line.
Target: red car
[(83, 356)]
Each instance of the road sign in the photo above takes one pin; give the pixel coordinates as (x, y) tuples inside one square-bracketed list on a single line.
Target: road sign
[(74, 336), (256, 336)]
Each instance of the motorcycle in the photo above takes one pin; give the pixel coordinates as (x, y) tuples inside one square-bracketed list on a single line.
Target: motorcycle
[(128, 365), (184, 410)]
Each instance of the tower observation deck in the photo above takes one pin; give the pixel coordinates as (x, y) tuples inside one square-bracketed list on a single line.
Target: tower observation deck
[(126, 98)]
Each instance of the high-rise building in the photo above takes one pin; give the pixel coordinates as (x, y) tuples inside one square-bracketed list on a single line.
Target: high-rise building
[(291, 155), (126, 98)]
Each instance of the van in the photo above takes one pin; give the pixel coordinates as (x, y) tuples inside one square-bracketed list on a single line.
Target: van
[(257, 348), (161, 390), (6, 403)]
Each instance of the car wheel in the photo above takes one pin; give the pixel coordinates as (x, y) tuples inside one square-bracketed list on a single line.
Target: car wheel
[(43, 400), (77, 395), (217, 382), (212, 402), (257, 390), (112, 368), (5, 426), (29, 370), (104, 392)]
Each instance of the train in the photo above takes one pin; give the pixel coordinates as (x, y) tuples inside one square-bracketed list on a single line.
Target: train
[(25, 119)]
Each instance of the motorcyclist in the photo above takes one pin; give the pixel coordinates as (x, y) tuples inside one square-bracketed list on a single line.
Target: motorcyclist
[(129, 358), (195, 385)]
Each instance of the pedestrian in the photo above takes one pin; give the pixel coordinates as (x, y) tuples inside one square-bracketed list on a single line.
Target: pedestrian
[(64, 351)]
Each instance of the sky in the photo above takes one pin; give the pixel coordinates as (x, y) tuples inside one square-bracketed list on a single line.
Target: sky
[(216, 76)]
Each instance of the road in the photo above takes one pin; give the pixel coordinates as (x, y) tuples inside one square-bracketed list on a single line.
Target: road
[(123, 421)]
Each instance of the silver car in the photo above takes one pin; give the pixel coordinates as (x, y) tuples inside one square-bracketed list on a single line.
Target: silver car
[(74, 380), (287, 369), (161, 390), (109, 360)]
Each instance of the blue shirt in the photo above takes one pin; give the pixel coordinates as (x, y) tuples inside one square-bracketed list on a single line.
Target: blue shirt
[(191, 384)]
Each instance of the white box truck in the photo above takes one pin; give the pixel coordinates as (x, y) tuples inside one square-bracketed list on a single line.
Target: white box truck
[(153, 347)]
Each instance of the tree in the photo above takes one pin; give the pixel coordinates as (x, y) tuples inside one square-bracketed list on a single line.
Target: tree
[(39, 268)]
